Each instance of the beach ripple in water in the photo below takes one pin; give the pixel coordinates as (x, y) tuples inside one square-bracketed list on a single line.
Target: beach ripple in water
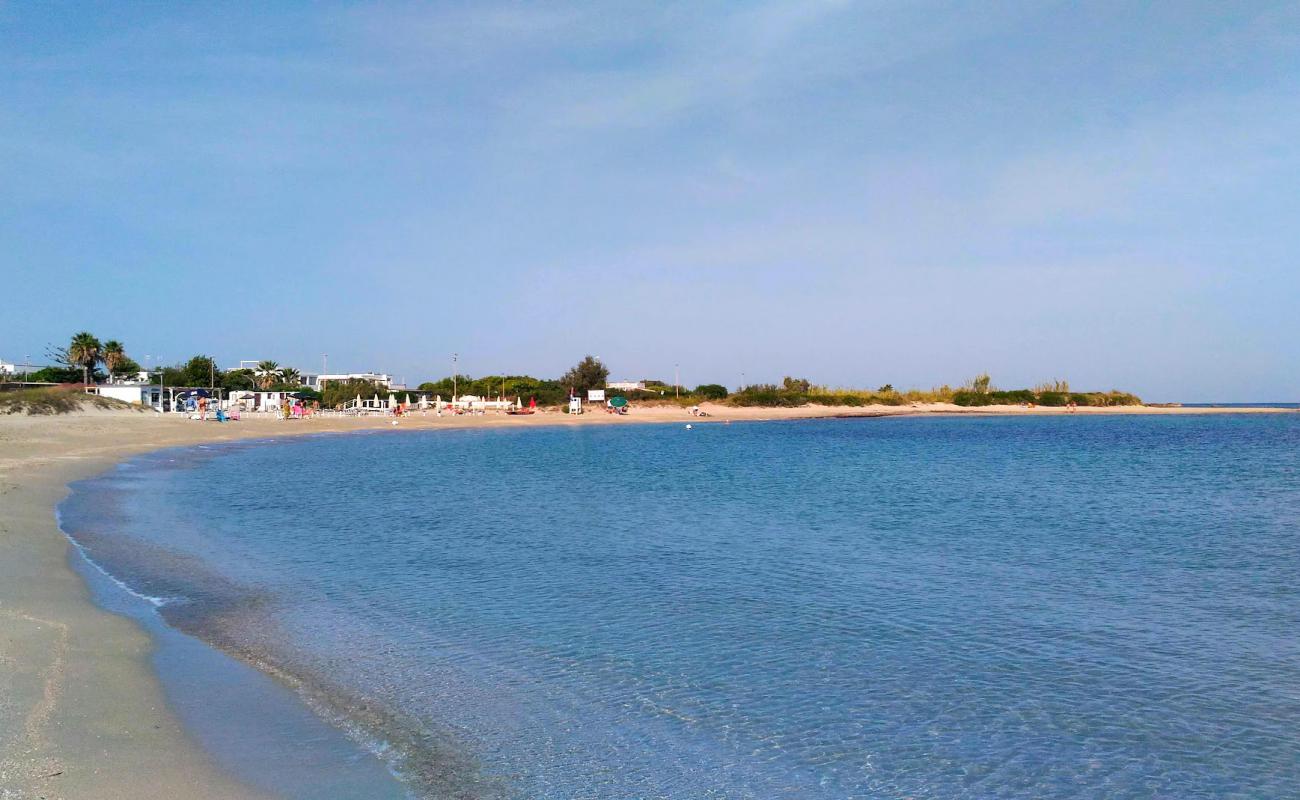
[(930, 608)]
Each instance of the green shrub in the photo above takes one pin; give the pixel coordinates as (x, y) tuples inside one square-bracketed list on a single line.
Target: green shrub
[(1013, 397), (965, 397), (769, 395), (711, 391)]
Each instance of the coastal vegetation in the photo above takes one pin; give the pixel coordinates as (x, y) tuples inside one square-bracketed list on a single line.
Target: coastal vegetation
[(589, 373), (979, 391), (55, 400), (81, 358)]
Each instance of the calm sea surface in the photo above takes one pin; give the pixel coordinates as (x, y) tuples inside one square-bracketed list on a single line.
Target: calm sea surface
[(1068, 607)]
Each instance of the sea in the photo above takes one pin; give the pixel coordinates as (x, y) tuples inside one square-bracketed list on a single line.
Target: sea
[(918, 607)]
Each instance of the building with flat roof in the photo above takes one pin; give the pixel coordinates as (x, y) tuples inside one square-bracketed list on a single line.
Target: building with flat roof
[(626, 386), (318, 381)]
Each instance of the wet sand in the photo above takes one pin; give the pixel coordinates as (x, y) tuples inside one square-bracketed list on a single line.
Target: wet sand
[(82, 714)]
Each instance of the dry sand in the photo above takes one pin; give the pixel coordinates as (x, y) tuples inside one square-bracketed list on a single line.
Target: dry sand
[(81, 713)]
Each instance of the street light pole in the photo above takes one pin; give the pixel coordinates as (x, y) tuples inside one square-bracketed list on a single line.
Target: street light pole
[(677, 381), (454, 356)]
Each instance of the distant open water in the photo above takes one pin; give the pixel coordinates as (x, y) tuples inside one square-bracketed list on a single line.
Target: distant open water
[(1069, 607)]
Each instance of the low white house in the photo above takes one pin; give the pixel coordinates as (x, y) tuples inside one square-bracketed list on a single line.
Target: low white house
[(8, 369), (318, 381), (626, 386), (150, 395)]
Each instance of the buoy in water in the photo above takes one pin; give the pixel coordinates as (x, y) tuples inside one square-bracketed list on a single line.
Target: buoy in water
[(688, 426)]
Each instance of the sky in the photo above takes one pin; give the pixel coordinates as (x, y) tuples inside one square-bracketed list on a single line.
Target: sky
[(858, 193)]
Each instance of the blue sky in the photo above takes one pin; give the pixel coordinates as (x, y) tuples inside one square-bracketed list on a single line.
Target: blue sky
[(858, 193)]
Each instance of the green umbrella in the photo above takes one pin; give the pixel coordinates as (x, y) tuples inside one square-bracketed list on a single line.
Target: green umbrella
[(618, 402)]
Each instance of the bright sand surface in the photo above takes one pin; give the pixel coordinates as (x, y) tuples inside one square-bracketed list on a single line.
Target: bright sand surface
[(82, 715)]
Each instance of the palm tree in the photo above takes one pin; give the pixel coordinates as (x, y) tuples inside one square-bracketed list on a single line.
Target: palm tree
[(114, 356), (84, 352), (268, 374), (290, 375)]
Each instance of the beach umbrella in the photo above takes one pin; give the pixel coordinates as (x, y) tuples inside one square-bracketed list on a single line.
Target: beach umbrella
[(618, 402)]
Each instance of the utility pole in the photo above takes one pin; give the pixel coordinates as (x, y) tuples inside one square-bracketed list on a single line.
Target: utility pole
[(324, 363), (454, 356), (27, 368), (677, 381)]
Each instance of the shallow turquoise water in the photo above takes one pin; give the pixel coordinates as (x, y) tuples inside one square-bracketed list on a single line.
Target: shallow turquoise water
[(1071, 607)]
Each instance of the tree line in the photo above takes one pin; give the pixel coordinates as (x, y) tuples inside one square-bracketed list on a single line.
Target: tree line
[(84, 355)]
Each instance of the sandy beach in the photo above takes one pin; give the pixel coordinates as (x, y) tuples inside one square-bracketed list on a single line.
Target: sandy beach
[(81, 713)]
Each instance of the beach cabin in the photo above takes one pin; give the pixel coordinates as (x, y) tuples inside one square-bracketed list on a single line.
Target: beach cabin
[(150, 395)]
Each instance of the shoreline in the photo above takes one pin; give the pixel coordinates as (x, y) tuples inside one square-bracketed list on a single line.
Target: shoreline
[(82, 711)]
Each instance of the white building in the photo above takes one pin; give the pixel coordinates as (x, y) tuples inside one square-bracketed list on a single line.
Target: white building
[(626, 386), (317, 382), (139, 377), (150, 395), (8, 369)]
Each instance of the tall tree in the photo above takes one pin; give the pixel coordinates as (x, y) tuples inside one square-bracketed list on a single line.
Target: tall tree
[(84, 351), (239, 379), (588, 373), (290, 375), (200, 371), (114, 357)]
